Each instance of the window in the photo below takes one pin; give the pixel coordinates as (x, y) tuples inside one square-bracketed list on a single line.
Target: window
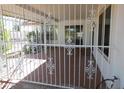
[(104, 34), (75, 33), (100, 29)]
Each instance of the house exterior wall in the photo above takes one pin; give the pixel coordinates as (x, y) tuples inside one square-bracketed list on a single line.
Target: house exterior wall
[(117, 43), (113, 66)]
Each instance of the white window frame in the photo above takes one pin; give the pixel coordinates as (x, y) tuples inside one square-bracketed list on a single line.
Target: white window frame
[(103, 10)]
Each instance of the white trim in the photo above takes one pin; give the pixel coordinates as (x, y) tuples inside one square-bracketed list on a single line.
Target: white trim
[(102, 53), (103, 10)]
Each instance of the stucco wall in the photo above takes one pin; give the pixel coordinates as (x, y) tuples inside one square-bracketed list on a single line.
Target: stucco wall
[(117, 43), (115, 63)]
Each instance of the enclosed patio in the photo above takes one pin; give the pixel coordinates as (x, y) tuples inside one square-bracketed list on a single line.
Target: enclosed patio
[(54, 46)]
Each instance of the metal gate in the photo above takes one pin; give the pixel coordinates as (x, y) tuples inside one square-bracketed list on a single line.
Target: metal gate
[(53, 45)]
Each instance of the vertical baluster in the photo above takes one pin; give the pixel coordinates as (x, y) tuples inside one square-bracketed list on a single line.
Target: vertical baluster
[(85, 55)]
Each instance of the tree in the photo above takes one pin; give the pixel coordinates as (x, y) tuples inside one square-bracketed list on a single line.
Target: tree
[(4, 39)]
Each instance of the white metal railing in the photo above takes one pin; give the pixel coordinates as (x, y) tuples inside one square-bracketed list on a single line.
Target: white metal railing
[(63, 65)]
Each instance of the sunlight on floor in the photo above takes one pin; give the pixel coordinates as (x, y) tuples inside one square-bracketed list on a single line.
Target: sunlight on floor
[(23, 67)]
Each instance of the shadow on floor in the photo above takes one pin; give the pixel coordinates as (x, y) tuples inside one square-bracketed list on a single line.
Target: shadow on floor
[(27, 85)]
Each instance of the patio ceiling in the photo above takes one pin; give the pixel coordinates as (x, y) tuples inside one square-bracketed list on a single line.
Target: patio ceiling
[(61, 12), (37, 12), (64, 11)]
